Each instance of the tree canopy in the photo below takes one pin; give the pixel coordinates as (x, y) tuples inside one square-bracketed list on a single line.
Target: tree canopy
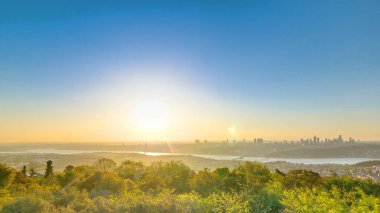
[(174, 187)]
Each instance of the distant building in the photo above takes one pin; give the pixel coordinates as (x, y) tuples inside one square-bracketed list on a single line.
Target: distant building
[(259, 140), (35, 174), (340, 139), (375, 173), (351, 140)]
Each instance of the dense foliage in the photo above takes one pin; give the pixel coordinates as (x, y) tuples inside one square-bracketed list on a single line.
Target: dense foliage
[(174, 187)]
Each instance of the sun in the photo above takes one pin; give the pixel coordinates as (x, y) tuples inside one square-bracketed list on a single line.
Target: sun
[(152, 116), (232, 130)]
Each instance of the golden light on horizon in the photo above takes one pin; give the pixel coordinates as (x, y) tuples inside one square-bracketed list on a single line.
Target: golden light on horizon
[(151, 117)]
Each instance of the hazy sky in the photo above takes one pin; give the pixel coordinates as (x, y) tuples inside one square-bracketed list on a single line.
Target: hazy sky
[(81, 71)]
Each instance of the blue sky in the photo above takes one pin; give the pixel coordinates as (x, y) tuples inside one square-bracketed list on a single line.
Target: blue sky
[(255, 57)]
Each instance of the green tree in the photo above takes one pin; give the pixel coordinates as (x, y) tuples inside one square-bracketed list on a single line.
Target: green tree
[(104, 184), (365, 203), (191, 202), (77, 201), (20, 178), (49, 169), (131, 169), (227, 178), (302, 178), (227, 202), (105, 165), (84, 171), (264, 201), (206, 182), (32, 172), (69, 168), (173, 174), (23, 171), (252, 176), (28, 205), (348, 184), (7, 175), (68, 177), (305, 200)]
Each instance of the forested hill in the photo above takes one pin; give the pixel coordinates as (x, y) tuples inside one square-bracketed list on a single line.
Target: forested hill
[(173, 187)]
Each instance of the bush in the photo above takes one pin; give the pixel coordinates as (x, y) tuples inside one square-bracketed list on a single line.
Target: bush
[(28, 205), (252, 176), (227, 202), (302, 178), (104, 184), (7, 175), (131, 170), (171, 175)]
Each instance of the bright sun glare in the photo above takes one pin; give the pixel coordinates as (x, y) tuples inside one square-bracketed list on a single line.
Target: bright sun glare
[(151, 117)]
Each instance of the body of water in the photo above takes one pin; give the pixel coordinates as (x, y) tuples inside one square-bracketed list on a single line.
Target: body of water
[(348, 161)]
